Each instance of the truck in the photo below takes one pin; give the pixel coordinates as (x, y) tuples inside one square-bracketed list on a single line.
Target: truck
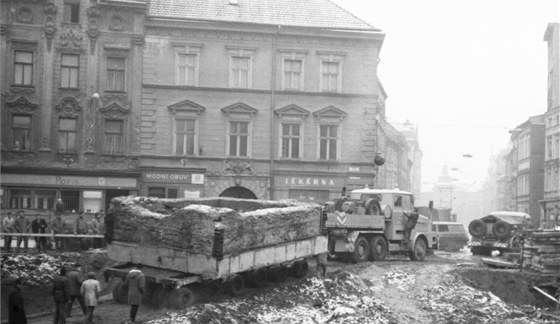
[(451, 236), (190, 248), (369, 223), (500, 231)]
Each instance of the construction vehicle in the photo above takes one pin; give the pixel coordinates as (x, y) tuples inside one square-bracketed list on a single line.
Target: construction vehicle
[(500, 231), (178, 277), (451, 236), (373, 222)]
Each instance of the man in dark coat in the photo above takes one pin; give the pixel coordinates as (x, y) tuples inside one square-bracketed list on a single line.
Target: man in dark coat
[(75, 281), (136, 283), (61, 296), (22, 226), (39, 226), (16, 311)]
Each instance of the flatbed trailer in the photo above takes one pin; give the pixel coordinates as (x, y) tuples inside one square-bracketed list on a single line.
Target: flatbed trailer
[(173, 275)]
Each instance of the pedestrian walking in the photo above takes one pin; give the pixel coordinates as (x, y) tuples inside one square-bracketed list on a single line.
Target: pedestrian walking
[(61, 296), (16, 309), (80, 227), (8, 226), (90, 291), (22, 226), (75, 281), (39, 226), (58, 228), (136, 283)]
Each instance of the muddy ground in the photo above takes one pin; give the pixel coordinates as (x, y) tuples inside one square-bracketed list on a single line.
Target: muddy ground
[(446, 288)]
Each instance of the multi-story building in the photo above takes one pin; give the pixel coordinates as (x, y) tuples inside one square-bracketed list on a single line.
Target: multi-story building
[(551, 201), (527, 142), (410, 133), (255, 99)]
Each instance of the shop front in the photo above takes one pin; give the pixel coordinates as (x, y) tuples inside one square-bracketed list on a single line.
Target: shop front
[(314, 188), (39, 192), (173, 183)]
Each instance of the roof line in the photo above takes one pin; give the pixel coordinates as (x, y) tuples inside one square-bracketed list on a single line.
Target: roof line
[(353, 15)]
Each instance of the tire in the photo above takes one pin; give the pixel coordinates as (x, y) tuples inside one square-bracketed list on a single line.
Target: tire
[(501, 229), (378, 248), (299, 269), (361, 250), (372, 207), (278, 274), (160, 297), (120, 295), (418, 253), (181, 298), (255, 278), (234, 285), (477, 228)]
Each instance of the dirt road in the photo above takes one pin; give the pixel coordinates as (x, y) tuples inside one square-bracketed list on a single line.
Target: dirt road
[(439, 290)]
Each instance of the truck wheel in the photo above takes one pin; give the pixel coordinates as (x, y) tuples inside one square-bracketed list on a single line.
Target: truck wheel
[(378, 247), (477, 228), (255, 278), (181, 298), (299, 269), (278, 274), (160, 297), (120, 295), (361, 250), (501, 229), (419, 251), (234, 285)]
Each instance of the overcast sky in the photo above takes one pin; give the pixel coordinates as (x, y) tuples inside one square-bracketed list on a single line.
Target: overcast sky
[(465, 71)]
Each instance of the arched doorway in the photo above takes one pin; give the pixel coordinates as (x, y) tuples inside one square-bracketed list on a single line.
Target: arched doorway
[(238, 192)]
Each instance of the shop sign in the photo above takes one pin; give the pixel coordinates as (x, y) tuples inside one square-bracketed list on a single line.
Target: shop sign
[(68, 181), (316, 182), (173, 177)]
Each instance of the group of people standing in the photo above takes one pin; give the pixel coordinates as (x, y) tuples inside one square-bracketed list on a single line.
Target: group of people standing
[(39, 225), (70, 286)]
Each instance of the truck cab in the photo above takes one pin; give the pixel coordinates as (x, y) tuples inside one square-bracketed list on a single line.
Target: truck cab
[(370, 223)]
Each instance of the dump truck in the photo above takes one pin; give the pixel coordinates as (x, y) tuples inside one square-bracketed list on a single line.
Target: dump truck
[(195, 247), (500, 231), (369, 223)]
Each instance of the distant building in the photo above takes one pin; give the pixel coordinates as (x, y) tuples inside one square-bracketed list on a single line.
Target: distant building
[(551, 201)]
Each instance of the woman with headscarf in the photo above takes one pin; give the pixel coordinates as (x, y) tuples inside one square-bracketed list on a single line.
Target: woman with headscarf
[(90, 290)]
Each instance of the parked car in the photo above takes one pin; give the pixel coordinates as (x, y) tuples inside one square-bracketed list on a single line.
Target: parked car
[(452, 236), (498, 231)]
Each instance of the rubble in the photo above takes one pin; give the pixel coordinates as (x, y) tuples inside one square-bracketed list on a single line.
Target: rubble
[(542, 251), (36, 269)]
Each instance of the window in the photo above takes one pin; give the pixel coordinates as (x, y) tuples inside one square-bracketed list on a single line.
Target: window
[(240, 72), (238, 138), (185, 136), (187, 69), (20, 198), (293, 74), (23, 68), (71, 199), (291, 139), (67, 135), (160, 192), (69, 67), (115, 73), (71, 12), (21, 131), (44, 199), (114, 137), (328, 142), (330, 76)]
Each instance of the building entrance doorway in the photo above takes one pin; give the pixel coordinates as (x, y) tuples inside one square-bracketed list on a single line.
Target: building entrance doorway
[(238, 192)]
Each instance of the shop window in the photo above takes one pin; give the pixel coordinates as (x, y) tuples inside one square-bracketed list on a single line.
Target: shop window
[(114, 136), (316, 196), (69, 68), (23, 68), (156, 192), (67, 135), (20, 198), (71, 199), (45, 199), (115, 73), (172, 193), (92, 200), (21, 132)]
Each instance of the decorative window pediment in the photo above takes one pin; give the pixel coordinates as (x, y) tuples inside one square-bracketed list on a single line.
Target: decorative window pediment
[(330, 113), (239, 109), (292, 111), (21, 105), (186, 107), (114, 111), (69, 107)]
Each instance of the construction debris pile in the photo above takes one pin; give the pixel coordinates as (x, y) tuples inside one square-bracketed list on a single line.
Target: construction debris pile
[(210, 225), (36, 269), (542, 251)]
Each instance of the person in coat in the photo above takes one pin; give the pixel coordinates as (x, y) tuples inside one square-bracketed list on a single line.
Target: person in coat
[(39, 226), (58, 228), (136, 283), (61, 296), (22, 226), (80, 227), (90, 291), (74, 285), (8, 226), (16, 310)]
